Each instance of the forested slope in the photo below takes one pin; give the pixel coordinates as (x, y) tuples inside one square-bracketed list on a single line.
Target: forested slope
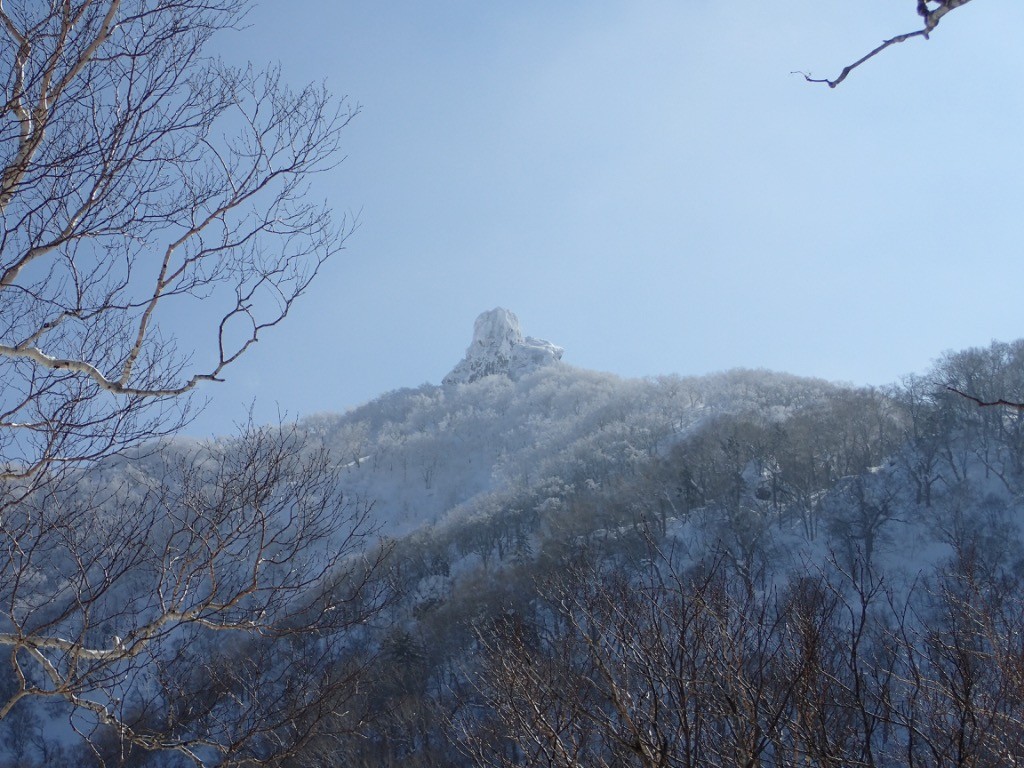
[(569, 568)]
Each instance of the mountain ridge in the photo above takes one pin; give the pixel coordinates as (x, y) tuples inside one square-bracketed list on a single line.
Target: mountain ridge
[(485, 492)]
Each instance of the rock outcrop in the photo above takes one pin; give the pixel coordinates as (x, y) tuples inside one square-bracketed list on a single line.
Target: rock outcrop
[(499, 348)]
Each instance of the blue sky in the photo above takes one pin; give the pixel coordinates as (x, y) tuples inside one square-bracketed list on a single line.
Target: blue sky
[(647, 185)]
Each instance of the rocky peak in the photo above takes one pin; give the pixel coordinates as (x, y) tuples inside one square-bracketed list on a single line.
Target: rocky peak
[(499, 347)]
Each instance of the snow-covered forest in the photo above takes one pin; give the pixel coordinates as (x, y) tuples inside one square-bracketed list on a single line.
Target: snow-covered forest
[(557, 568)]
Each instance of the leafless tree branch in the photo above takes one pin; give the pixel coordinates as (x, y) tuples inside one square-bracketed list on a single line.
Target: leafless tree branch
[(143, 186), (156, 219), (206, 558), (986, 403), (931, 15)]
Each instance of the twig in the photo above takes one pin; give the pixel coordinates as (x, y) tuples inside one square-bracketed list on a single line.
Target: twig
[(987, 403), (931, 21)]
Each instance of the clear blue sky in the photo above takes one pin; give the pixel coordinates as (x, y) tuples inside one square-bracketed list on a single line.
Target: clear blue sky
[(647, 185)]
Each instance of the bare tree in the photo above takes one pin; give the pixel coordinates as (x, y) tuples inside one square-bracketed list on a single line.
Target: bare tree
[(148, 190), (142, 183), (666, 667), (201, 601), (654, 669), (961, 694)]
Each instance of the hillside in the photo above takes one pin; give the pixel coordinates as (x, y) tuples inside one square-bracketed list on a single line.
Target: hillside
[(508, 510)]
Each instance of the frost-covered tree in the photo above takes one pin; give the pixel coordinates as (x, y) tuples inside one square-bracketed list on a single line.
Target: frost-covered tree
[(144, 185), (154, 221)]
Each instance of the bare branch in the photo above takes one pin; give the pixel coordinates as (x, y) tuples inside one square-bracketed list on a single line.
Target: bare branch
[(987, 403), (931, 17), (125, 140), (231, 547), (146, 190)]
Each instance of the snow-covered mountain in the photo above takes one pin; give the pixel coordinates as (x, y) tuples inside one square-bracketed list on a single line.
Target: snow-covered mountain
[(499, 347), (484, 489)]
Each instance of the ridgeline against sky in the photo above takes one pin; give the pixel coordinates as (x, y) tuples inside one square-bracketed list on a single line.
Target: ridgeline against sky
[(650, 186)]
